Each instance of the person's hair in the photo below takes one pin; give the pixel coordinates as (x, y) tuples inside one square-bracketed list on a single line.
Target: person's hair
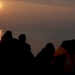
[(22, 37)]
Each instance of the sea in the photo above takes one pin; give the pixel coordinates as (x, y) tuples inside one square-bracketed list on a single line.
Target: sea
[(39, 38)]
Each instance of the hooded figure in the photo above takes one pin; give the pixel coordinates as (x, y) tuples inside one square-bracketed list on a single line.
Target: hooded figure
[(63, 62)]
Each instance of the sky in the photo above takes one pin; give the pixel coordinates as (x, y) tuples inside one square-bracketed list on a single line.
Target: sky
[(37, 14)]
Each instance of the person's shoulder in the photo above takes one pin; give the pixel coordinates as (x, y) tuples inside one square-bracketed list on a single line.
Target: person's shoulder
[(27, 44)]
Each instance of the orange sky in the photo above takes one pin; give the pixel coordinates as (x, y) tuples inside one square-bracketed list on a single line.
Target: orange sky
[(37, 15)]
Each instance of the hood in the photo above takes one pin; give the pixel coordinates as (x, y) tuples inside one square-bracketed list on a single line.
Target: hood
[(59, 51)]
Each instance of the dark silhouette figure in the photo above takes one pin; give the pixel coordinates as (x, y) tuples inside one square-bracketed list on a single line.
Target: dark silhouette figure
[(16, 56), (22, 40), (72, 52), (63, 63), (6, 47), (26, 56), (15, 51), (44, 58)]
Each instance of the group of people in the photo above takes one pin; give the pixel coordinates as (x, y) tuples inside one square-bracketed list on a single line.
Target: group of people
[(16, 55)]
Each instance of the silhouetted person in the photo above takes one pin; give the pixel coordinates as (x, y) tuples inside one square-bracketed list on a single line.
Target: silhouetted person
[(72, 52), (44, 58), (15, 51), (63, 63), (6, 43), (26, 56), (7, 36), (22, 40)]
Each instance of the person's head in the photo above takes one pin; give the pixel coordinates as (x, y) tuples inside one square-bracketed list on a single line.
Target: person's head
[(22, 38), (15, 41), (8, 35), (50, 47), (66, 45)]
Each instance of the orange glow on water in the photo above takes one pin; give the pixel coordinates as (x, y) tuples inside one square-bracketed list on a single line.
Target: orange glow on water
[(1, 33)]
